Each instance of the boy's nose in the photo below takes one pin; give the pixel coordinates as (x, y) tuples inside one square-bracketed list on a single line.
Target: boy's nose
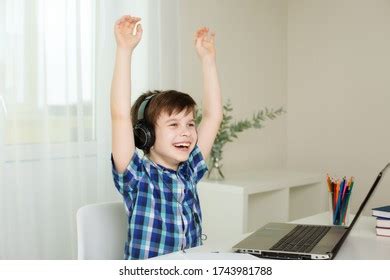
[(185, 131)]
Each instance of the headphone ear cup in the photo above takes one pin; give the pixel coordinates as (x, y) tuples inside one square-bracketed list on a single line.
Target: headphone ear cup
[(143, 136)]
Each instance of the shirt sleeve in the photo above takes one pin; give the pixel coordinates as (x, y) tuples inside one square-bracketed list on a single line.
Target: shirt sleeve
[(127, 182), (197, 164)]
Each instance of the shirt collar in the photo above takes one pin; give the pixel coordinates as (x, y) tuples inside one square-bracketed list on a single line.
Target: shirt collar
[(182, 168)]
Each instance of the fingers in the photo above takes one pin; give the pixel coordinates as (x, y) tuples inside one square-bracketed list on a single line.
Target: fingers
[(139, 30), (203, 34), (211, 37), (127, 21)]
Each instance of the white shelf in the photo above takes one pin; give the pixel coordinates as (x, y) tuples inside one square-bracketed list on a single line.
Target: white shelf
[(246, 201), (268, 180)]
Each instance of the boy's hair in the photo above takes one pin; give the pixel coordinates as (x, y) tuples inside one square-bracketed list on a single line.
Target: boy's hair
[(169, 101)]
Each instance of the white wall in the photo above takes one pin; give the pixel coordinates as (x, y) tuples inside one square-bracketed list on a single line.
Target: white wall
[(327, 62), (251, 57), (339, 91)]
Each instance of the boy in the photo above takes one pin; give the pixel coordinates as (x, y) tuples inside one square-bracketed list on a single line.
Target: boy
[(159, 188)]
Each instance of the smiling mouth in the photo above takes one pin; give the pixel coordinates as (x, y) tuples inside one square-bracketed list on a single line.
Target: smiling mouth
[(184, 146)]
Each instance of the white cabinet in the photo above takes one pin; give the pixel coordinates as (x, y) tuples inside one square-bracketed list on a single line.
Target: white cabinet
[(246, 201)]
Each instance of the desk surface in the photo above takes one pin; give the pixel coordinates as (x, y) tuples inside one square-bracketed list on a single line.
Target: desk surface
[(362, 243)]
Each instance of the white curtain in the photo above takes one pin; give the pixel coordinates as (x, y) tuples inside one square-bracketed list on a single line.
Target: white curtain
[(56, 62)]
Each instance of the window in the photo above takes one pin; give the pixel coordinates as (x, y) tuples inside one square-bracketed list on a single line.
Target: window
[(47, 64)]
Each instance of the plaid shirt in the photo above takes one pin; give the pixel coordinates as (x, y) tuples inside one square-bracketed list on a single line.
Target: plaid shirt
[(163, 205)]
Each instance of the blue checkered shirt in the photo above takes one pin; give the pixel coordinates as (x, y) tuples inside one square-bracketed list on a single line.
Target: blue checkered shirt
[(163, 205)]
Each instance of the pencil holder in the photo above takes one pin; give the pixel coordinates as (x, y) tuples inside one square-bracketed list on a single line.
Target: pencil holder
[(339, 212), (340, 191)]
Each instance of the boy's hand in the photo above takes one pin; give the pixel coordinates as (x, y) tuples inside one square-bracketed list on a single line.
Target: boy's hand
[(124, 29), (205, 43)]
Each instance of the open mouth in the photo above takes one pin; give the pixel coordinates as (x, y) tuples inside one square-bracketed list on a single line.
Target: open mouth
[(183, 146)]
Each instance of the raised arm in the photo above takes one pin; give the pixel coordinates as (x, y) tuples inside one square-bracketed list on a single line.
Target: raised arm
[(211, 100), (122, 130)]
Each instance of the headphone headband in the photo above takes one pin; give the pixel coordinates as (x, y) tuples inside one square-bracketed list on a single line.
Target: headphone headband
[(142, 107)]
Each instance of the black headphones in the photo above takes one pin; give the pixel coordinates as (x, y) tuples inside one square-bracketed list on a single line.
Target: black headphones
[(143, 134)]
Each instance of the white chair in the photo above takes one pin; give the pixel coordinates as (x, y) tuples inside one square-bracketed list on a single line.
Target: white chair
[(101, 231)]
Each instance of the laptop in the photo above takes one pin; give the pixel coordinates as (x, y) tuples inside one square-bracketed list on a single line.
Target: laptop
[(299, 241)]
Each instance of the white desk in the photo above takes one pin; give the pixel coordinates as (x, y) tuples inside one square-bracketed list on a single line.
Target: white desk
[(362, 243)]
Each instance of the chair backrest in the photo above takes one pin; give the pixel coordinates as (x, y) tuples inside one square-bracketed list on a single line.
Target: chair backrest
[(101, 231)]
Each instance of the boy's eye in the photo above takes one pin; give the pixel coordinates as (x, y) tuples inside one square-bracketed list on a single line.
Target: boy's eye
[(191, 124), (173, 124)]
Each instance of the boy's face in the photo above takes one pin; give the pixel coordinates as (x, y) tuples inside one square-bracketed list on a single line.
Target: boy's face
[(176, 137)]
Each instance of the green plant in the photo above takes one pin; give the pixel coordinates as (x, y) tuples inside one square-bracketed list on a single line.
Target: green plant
[(229, 130)]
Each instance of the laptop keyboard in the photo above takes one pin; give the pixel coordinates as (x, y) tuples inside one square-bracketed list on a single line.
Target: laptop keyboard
[(302, 238)]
